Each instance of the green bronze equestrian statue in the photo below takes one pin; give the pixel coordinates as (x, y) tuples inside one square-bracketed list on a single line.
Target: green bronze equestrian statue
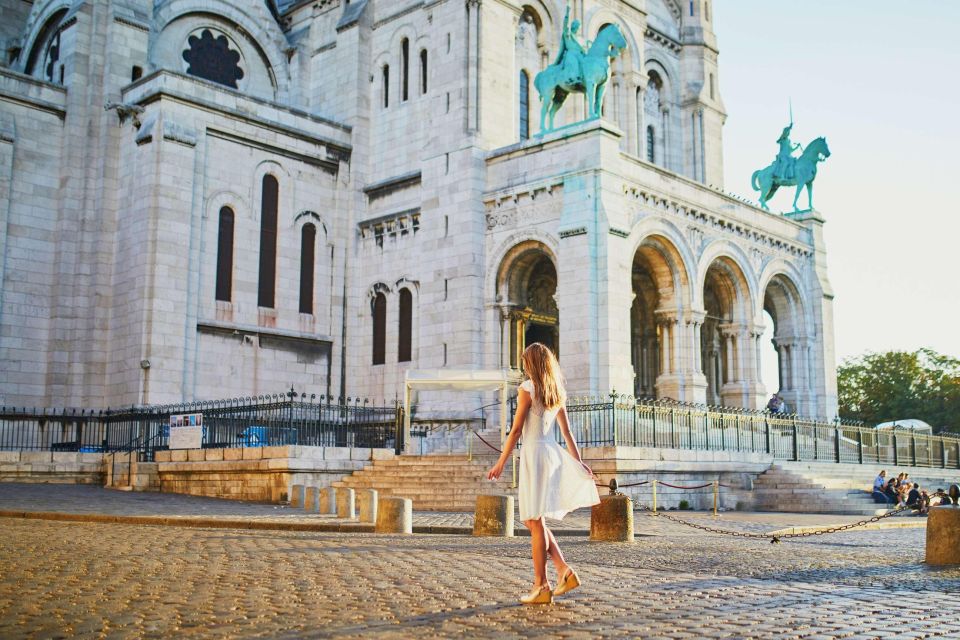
[(578, 68), (788, 171)]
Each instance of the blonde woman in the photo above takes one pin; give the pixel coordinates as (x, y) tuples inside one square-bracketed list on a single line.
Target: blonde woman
[(553, 481)]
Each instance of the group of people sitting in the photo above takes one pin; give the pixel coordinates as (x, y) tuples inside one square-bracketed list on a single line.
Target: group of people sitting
[(902, 491)]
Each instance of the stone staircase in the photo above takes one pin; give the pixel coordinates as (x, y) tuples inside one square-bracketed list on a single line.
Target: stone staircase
[(779, 489), (433, 482)]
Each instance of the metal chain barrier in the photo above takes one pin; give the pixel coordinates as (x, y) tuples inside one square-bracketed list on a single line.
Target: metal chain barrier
[(774, 539)]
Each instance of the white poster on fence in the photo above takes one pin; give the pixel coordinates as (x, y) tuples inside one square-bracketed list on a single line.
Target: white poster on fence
[(186, 431)]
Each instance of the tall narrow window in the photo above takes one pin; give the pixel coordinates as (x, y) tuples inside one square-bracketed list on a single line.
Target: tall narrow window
[(380, 329), (712, 90), (268, 242), (405, 327), (524, 105), (651, 153), (423, 71), (404, 70), (308, 238), (386, 86), (225, 255), (706, 11)]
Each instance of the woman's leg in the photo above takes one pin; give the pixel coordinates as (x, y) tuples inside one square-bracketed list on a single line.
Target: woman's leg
[(553, 550), (538, 546)]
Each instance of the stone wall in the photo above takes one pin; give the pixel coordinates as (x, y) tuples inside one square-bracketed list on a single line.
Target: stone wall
[(258, 474), (51, 466)]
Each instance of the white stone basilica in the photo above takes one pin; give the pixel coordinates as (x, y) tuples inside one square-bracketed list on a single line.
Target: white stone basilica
[(219, 198)]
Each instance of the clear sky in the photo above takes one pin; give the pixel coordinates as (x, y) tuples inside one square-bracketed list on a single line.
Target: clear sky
[(880, 79)]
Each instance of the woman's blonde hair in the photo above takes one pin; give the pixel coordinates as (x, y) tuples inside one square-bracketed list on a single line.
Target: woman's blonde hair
[(543, 369)]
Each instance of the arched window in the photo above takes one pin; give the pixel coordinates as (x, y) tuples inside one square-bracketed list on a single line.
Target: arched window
[(423, 71), (225, 255), (651, 147), (524, 105), (308, 238), (209, 56), (379, 329), (44, 58), (404, 70), (269, 198), (405, 327), (386, 86)]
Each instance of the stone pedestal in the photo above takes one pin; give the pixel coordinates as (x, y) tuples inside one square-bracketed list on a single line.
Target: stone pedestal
[(493, 516), (346, 504), (612, 519), (367, 505), (296, 496), (394, 515), (943, 536), (328, 500), (311, 500)]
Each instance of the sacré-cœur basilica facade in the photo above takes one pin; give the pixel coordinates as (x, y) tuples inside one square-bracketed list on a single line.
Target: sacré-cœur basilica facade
[(326, 194)]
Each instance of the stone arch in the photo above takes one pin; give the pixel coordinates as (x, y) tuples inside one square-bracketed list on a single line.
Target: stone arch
[(44, 30), (727, 338), (526, 286), (283, 177), (792, 337), (263, 43), (660, 285), (546, 240)]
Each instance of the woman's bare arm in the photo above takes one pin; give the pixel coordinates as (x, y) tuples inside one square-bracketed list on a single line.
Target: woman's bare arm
[(564, 422), (523, 405)]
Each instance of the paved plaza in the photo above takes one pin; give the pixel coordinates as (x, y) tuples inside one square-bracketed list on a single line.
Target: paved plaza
[(91, 580)]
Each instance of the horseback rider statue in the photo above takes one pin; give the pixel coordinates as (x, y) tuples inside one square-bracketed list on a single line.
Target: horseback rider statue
[(579, 68), (789, 171), (571, 51), (783, 164)]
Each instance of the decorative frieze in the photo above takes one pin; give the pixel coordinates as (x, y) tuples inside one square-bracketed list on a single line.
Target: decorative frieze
[(656, 203), (395, 225)]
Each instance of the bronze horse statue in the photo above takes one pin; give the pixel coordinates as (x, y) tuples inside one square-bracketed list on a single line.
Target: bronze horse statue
[(804, 171), (554, 88)]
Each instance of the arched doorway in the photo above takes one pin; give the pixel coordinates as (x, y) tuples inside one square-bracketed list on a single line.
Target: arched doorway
[(658, 280), (527, 294), (725, 342), (783, 303)]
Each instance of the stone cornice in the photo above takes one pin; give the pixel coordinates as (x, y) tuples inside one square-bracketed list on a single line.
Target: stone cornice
[(661, 38), (383, 188), (715, 221)]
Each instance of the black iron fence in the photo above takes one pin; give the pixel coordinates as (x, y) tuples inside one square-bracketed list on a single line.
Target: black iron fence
[(625, 421), (272, 420)]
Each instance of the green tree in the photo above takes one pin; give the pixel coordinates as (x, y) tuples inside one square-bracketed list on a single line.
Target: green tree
[(877, 387)]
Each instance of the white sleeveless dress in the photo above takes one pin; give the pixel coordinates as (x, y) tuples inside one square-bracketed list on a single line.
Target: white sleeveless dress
[(552, 482)]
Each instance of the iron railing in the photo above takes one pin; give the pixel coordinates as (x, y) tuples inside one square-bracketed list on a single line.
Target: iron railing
[(271, 420), (617, 420)]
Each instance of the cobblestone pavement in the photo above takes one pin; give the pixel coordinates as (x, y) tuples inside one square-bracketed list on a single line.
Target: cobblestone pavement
[(91, 580), (87, 499)]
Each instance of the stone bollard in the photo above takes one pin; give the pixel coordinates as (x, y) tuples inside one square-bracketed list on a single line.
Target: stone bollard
[(311, 500), (296, 496), (328, 500), (943, 535), (346, 504), (493, 516), (394, 515), (612, 519), (367, 505)]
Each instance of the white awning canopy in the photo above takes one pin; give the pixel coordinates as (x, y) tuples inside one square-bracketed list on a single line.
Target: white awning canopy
[(458, 380)]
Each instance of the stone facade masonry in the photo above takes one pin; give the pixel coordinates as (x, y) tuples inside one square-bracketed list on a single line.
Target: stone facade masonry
[(611, 240)]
